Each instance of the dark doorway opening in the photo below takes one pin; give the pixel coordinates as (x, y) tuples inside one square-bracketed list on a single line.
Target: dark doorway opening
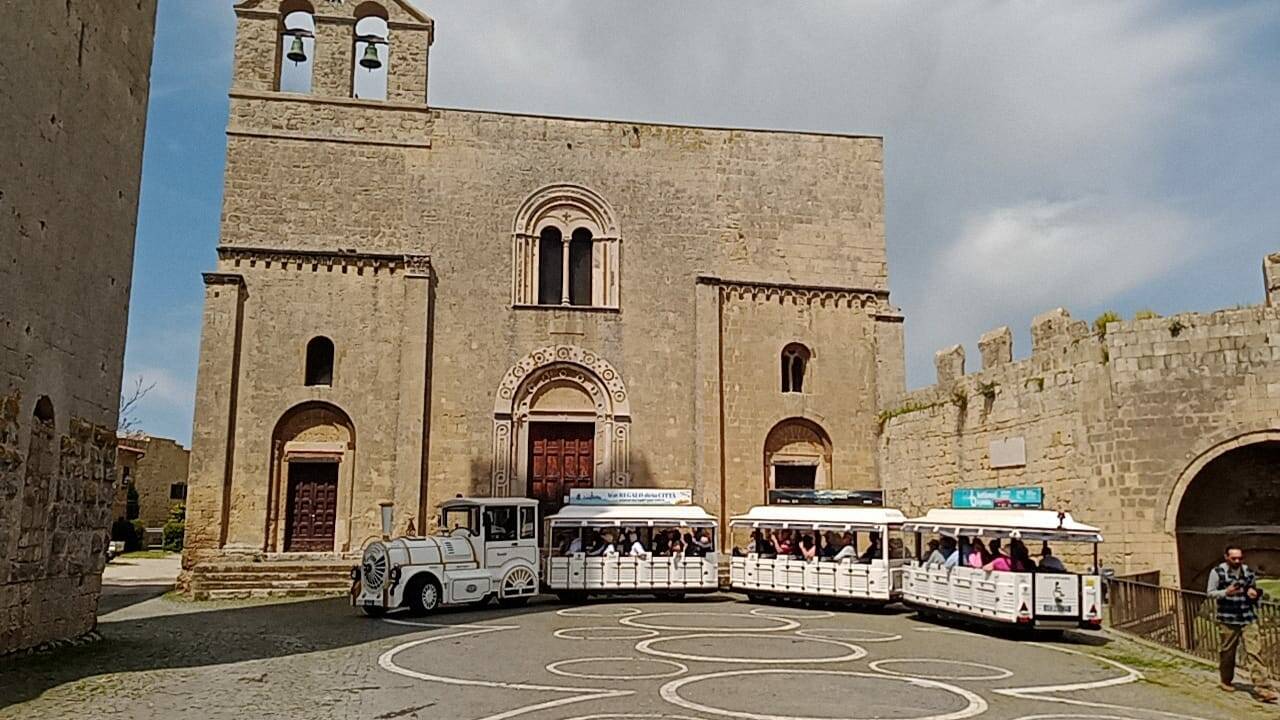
[(313, 507), (1234, 499), (561, 456), (795, 477)]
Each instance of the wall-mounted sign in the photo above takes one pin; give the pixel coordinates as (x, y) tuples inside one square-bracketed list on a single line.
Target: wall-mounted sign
[(871, 498), (1008, 452), (988, 498), (629, 496)]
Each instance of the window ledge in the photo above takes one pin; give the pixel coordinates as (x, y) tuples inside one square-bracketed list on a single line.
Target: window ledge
[(570, 308)]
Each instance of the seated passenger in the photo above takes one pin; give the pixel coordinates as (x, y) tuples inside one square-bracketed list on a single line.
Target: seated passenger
[(1050, 562), (978, 555), (637, 547), (934, 556), (808, 550), (999, 562), (575, 545), (764, 544), (951, 551), (848, 552), (1020, 557), (782, 544), (873, 551), (677, 547), (703, 540), (830, 546)]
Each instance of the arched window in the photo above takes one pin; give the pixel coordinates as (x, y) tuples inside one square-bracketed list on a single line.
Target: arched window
[(795, 361), (372, 53), (579, 284), (319, 361), (566, 250), (550, 266), (297, 46)]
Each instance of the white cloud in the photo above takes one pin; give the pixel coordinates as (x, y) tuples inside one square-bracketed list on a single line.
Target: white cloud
[(1010, 263)]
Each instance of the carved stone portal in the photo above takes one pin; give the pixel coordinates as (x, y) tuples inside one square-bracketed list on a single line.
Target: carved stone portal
[(560, 383)]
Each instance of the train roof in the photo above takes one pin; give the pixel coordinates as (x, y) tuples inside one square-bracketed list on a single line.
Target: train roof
[(477, 502), (823, 517), (595, 515), (1017, 523)]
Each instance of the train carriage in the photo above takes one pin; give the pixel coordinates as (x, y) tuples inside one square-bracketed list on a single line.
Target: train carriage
[(573, 572), (864, 579), (1043, 599)]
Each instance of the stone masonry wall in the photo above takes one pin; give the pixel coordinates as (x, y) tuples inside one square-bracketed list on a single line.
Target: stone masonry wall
[(1115, 427), (325, 174), (164, 464), (69, 179)]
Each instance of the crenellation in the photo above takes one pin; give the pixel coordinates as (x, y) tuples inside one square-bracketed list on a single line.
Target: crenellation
[(996, 347)]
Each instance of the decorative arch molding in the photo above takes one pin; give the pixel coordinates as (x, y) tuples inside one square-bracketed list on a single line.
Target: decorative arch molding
[(567, 208), (1208, 451), (798, 440), (313, 430), (515, 407)]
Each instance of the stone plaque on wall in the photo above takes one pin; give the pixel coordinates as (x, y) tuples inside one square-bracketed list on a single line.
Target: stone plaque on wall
[(1009, 452)]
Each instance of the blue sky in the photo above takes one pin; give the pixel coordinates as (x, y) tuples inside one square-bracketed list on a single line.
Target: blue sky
[(1090, 155)]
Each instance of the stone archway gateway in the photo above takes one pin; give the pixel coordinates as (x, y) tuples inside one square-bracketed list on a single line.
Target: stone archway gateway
[(561, 419), (1228, 495)]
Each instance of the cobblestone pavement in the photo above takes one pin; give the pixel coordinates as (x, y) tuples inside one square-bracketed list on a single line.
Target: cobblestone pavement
[(706, 658)]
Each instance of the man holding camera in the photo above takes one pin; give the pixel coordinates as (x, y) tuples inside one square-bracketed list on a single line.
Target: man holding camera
[(1234, 586)]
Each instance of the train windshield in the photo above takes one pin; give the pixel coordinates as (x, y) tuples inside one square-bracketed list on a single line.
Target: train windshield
[(452, 519)]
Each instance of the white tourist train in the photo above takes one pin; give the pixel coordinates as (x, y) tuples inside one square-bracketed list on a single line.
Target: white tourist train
[(489, 550), (1050, 597), (604, 541), (870, 575), (623, 548)]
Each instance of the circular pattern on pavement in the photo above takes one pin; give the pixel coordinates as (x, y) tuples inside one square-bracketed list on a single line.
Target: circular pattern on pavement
[(797, 613), (994, 673), (601, 611), (974, 704), (639, 622), (854, 652), (604, 632), (854, 634), (558, 668)]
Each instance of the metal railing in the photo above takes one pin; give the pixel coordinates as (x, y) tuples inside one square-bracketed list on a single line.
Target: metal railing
[(1183, 619)]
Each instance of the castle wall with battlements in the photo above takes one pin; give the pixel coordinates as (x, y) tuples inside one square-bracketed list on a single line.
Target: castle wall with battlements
[(1115, 425)]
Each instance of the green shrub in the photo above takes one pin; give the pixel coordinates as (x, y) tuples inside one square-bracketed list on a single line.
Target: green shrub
[(1100, 323), (1146, 315), (175, 528), (140, 532), (125, 530)]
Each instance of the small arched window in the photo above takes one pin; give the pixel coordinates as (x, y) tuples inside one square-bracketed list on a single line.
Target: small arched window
[(579, 285), (297, 46), (550, 266), (372, 53), (319, 361), (795, 361)]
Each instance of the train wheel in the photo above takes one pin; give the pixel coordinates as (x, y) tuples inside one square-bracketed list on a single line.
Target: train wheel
[(424, 596)]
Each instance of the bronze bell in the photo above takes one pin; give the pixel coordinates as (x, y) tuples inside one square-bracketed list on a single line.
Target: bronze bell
[(370, 60), (297, 52)]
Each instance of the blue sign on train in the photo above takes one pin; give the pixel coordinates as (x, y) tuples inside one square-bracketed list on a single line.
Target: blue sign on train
[(989, 498)]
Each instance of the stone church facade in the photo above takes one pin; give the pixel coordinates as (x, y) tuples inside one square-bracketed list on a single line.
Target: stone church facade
[(413, 302)]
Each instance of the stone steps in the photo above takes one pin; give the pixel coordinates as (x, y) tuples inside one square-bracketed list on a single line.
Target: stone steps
[(292, 577)]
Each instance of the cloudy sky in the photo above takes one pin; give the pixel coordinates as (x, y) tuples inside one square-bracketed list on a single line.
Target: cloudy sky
[(1091, 155)]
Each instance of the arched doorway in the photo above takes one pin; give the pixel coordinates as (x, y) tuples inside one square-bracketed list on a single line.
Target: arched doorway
[(797, 456), (1233, 498), (562, 420), (313, 459)]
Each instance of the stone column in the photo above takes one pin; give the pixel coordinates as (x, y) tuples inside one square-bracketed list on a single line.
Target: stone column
[(409, 491), (212, 442)]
